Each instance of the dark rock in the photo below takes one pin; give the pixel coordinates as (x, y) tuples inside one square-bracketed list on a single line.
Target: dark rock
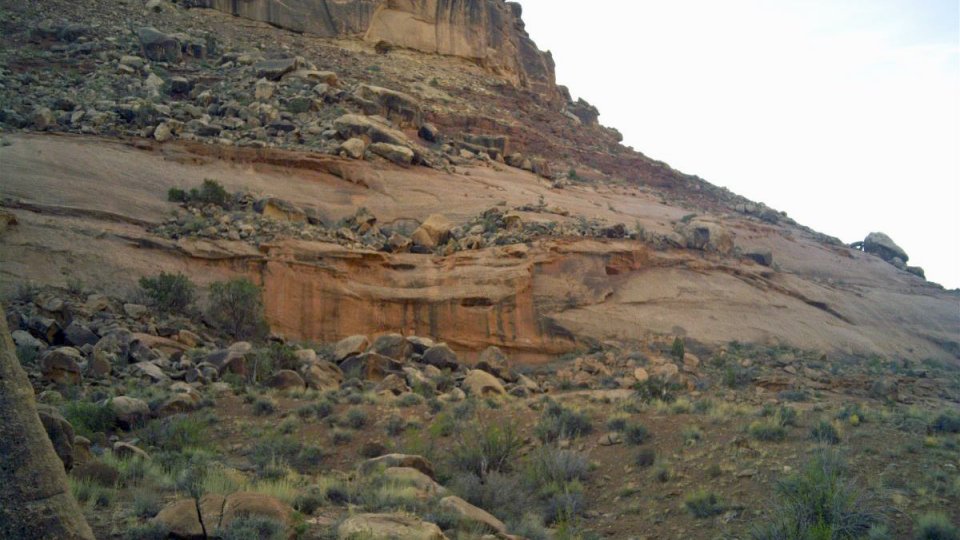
[(370, 366), (392, 346), (429, 133), (763, 257), (276, 68), (158, 46), (441, 356), (78, 335)]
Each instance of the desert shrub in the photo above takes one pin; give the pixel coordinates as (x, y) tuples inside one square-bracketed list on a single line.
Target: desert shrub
[(552, 466), (395, 426), (736, 376), (341, 436), (410, 400), (948, 422), (645, 458), (656, 388), (564, 506), (176, 433), (89, 418), (505, 496), (559, 422), (236, 307), (481, 449), (169, 293), (356, 418), (267, 360), (935, 526), (617, 423), (677, 350), (253, 528), (703, 504), (147, 531), (794, 395), (636, 434), (663, 473), (146, 504), (209, 192), (767, 430), (820, 502), (825, 432), (27, 355), (307, 502), (177, 195), (264, 406)]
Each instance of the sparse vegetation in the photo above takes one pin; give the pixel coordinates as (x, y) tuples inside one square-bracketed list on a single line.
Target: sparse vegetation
[(703, 504), (169, 293), (210, 192), (237, 308), (559, 422), (935, 526)]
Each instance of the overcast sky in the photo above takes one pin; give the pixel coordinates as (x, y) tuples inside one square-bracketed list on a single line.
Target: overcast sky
[(845, 114)]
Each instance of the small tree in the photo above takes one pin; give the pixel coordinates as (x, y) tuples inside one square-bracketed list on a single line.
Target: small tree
[(169, 293), (236, 307)]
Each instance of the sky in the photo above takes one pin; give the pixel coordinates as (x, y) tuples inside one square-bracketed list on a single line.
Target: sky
[(845, 114)]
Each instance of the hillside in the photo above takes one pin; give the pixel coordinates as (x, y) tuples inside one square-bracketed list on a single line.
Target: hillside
[(409, 174)]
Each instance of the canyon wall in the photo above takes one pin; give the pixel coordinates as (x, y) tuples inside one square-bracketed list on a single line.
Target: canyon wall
[(489, 32)]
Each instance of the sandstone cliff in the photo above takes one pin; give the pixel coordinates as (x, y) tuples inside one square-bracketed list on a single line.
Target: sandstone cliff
[(489, 32)]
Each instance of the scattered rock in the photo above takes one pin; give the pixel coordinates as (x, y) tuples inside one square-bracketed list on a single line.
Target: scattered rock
[(130, 412), (286, 379), (433, 232), (158, 46), (441, 356), (480, 383), (350, 346), (353, 148), (393, 346), (61, 365), (401, 155), (387, 526)]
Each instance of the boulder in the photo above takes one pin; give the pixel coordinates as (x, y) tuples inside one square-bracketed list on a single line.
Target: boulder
[(263, 90), (429, 133), (181, 520), (433, 232), (228, 361), (60, 433), (356, 125), (419, 463), (401, 108), (393, 384), (883, 246), (370, 366), (280, 210), (322, 375), (707, 236), (286, 379), (388, 527), (130, 412), (274, 69), (353, 148), (441, 356), (239, 505), (78, 335), (480, 383), (393, 346), (401, 155), (158, 46), (124, 450), (61, 365), (35, 500), (471, 516), (350, 346), (426, 488)]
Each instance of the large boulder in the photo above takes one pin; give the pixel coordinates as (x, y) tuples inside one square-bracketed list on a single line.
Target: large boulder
[(409, 461), (707, 236), (370, 366), (60, 432), (433, 232), (393, 346), (402, 108), (158, 46), (480, 383), (130, 412), (35, 501), (400, 155), (286, 379), (180, 517), (350, 346), (388, 527), (322, 375), (274, 69), (475, 518), (441, 356), (61, 365), (884, 247), (280, 210), (369, 128)]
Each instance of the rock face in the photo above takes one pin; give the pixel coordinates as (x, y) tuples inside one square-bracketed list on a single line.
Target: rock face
[(35, 501), (489, 32)]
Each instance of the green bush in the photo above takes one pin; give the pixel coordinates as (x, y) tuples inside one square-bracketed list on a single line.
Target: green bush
[(357, 418), (825, 432), (549, 465), (703, 504), (820, 502), (148, 531), (636, 434), (678, 351), (559, 422), (767, 431), (646, 458), (736, 376), (656, 388), (169, 293), (176, 433), (482, 449), (935, 526), (948, 422), (177, 195), (89, 418), (236, 307)]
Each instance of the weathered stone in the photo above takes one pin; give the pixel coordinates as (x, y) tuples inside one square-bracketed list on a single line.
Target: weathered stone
[(240, 505), (355, 125), (480, 383), (433, 232), (441, 356), (370, 366), (350, 346), (280, 210), (387, 527), (353, 148), (60, 432), (393, 346), (125, 450), (61, 365), (393, 384), (78, 335), (263, 90), (150, 371), (130, 412), (402, 108), (763, 257), (158, 46), (473, 517), (276, 68), (286, 379), (707, 236), (322, 376), (883, 246), (401, 155), (35, 501), (419, 463)]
